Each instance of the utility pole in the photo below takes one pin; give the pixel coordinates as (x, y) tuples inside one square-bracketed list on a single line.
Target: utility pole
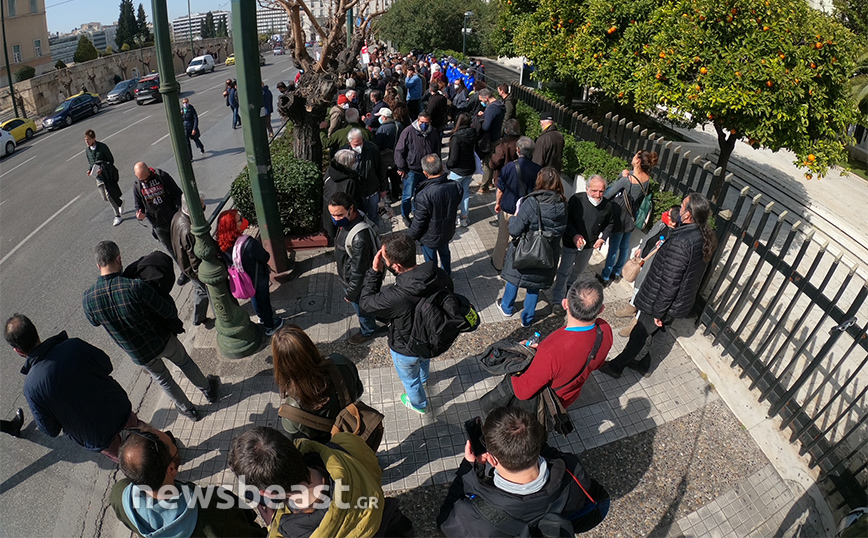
[(246, 41), (349, 28), (190, 28), (6, 56), (236, 335), (467, 15)]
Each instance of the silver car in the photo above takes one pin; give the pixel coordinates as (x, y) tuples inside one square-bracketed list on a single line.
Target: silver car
[(123, 92)]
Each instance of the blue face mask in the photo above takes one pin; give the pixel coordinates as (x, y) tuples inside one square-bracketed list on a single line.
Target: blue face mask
[(340, 223), (423, 127), (484, 105)]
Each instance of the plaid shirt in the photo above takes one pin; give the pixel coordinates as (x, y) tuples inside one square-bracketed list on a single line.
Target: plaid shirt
[(133, 313)]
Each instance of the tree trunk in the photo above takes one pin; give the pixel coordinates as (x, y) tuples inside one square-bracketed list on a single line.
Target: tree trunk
[(306, 142), (726, 145)]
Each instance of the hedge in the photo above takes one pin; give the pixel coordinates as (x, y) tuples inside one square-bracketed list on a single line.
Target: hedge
[(299, 190)]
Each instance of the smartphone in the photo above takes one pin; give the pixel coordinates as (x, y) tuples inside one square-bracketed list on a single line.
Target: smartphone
[(473, 427)]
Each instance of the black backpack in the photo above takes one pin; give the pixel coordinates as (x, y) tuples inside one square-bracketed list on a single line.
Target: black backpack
[(437, 320)]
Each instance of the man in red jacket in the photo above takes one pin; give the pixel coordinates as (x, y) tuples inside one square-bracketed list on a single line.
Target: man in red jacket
[(563, 360)]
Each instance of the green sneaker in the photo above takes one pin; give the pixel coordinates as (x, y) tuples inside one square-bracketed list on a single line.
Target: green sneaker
[(406, 401)]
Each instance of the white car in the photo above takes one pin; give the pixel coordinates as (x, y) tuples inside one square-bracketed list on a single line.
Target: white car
[(7, 142)]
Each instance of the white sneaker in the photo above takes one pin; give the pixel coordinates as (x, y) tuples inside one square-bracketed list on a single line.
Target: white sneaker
[(117, 221)]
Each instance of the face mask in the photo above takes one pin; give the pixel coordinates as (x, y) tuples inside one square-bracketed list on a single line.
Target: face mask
[(357, 149), (345, 106), (484, 105), (392, 270), (244, 224), (423, 127), (594, 202), (341, 223)]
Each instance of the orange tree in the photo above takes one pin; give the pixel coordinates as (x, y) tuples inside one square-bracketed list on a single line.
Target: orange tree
[(771, 72)]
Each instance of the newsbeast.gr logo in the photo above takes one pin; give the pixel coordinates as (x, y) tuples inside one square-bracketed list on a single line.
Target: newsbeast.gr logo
[(298, 497)]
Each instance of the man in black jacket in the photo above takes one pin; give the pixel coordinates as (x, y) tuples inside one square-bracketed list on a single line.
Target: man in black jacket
[(437, 200), (490, 122), (669, 290), (550, 144), (372, 177), (158, 198), (397, 303), (69, 387), (341, 176), (437, 107), (100, 158), (518, 478), (356, 243), (191, 126), (416, 140), (590, 220)]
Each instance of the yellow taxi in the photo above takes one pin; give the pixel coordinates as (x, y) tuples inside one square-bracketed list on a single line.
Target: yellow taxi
[(230, 60), (20, 128)]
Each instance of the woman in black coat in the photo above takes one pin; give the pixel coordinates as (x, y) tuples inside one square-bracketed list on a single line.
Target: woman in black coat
[(462, 162), (548, 197), (670, 288)]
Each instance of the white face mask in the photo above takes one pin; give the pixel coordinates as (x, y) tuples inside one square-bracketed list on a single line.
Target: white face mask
[(357, 149), (595, 202)]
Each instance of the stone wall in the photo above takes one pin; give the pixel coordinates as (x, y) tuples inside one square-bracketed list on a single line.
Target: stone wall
[(40, 95)]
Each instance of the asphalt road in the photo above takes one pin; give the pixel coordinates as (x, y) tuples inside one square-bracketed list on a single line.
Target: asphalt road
[(51, 217)]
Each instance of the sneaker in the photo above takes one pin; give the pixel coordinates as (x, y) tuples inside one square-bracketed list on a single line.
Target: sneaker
[(121, 208), (270, 332), (117, 221), (182, 279), (464, 222), (406, 401), (628, 311), (213, 392), (526, 324), (202, 151), (358, 339), (625, 331), (502, 311), (16, 423), (192, 414)]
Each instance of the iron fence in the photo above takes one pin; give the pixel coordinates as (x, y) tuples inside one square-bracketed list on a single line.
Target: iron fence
[(774, 299)]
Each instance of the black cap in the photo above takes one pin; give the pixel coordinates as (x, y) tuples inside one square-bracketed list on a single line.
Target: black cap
[(545, 116)]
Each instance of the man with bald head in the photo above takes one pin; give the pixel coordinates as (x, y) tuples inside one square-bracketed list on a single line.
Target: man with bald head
[(158, 198), (590, 220)]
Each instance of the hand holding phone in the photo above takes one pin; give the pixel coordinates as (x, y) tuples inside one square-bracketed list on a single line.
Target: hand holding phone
[(473, 427)]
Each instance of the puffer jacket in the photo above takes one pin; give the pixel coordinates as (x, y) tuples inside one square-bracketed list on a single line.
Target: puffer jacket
[(397, 302), (351, 269), (413, 144), (669, 290), (554, 215), (437, 200), (461, 145), (190, 118)]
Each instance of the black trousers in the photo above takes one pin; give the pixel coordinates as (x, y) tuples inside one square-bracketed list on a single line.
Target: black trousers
[(643, 333)]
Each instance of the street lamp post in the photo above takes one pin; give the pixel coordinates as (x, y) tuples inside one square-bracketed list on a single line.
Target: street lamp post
[(236, 335), (6, 55), (190, 28), (467, 15)]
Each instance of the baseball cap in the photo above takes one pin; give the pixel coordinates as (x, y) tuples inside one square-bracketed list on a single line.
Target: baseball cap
[(384, 113)]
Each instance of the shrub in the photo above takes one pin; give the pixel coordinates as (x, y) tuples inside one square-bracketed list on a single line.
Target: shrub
[(587, 159), (125, 47), (663, 200), (298, 186), (528, 118), (25, 73)]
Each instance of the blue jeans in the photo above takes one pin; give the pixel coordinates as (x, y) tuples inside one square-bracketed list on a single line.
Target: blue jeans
[(367, 322), (261, 302), (464, 207), (619, 250), (508, 302), (430, 255), (370, 206), (411, 178), (413, 372), (236, 119)]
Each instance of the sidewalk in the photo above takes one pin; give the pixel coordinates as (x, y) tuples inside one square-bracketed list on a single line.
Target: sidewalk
[(673, 455)]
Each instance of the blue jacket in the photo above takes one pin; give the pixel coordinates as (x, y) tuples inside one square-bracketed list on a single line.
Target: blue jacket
[(267, 100), (69, 387), (232, 99), (414, 88)]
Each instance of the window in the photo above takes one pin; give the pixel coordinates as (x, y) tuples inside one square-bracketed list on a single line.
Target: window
[(16, 54), (11, 9), (34, 8), (37, 46)]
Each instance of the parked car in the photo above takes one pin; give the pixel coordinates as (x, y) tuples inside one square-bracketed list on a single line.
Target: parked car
[(7, 142), (123, 92), (148, 88), (200, 64), (278, 51), (74, 108), (20, 128), (230, 60)]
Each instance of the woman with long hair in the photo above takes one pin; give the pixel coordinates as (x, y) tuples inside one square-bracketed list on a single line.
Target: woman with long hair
[(303, 377), (669, 290), (547, 201), (627, 193), (254, 261), (462, 163), (460, 103)]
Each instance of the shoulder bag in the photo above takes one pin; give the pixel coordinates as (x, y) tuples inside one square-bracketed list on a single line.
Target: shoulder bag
[(631, 269), (240, 284), (534, 250)]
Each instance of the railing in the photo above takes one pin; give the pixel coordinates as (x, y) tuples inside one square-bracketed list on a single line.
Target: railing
[(782, 307)]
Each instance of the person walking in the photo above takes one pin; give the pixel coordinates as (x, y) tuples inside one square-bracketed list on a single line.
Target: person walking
[(669, 290), (158, 198), (546, 201), (254, 261), (437, 200), (138, 319), (416, 140), (191, 126), (628, 193), (462, 162), (232, 103), (101, 162), (516, 180), (268, 105)]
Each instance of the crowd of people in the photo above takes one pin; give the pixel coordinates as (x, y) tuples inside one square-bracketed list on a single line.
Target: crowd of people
[(316, 477)]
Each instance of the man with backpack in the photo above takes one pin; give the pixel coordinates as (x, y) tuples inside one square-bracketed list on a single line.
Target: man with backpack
[(398, 303), (356, 243), (521, 486)]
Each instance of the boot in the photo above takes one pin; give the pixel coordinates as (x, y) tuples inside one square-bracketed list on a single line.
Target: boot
[(626, 312), (625, 332)]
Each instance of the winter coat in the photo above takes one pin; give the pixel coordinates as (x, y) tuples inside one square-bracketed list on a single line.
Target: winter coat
[(254, 261), (339, 179), (438, 108), (232, 97), (190, 118), (338, 139), (386, 136), (461, 154), (512, 187), (182, 245), (372, 176), (587, 220), (413, 144), (397, 302), (460, 101), (491, 128), (554, 215), (549, 150), (336, 119), (69, 387), (267, 100), (669, 290), (437, 200), (509, 108), (352, 269), (109, 175), (503, 154)]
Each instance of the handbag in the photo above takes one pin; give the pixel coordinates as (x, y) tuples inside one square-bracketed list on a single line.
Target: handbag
[(631, 269), (240, 284), (533, 249)]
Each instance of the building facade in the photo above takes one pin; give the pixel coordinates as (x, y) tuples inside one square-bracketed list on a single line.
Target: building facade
[(26, 37), (184, 28)]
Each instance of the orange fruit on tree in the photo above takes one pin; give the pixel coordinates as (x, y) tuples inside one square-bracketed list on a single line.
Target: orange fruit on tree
[(738, 73), (703, 70), (769, 83), (662, 54), (812, 158)]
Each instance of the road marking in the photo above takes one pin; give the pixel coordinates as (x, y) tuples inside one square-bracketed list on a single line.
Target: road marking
[(127, 127), (41, 138), (161, 139), (287, 69), (41, 226), (207, 111), (74, 156), (22, 164), (130, 110), (215, 87)]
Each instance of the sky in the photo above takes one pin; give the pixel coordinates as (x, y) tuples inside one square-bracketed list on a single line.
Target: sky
[(65, 15)]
